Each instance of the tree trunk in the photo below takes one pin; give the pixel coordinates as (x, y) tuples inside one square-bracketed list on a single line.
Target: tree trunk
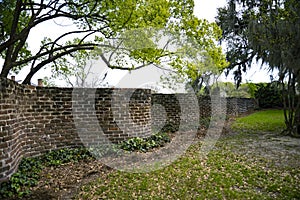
[(297, 123), (5, 71), (297, 116), (28, 78)]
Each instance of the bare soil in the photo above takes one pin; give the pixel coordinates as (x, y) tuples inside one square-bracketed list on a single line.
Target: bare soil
[(274, 148), (64, 181)]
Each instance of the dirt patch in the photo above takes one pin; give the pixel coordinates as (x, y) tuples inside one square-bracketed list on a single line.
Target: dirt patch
[(273, 147), (63, 181)]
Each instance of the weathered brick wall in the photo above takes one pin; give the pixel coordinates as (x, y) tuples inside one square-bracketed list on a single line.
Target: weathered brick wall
[(36, 120), (167, 113), (174, 111)]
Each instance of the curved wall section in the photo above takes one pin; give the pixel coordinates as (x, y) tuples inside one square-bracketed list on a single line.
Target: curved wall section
[(34, 120)]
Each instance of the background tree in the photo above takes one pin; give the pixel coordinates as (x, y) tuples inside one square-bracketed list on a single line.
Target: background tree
[(77, 71), (268, 31), (198, 70), (104, 26), (230, 89), (269, 95)]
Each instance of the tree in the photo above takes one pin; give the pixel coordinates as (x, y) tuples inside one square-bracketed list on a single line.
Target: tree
[(198, 69), (101, 26), (268, 31), (100, 19), (77, 72), (244, 91)]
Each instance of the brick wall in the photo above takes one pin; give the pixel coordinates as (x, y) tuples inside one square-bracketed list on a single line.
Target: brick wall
[(34, 120), (175, 110)]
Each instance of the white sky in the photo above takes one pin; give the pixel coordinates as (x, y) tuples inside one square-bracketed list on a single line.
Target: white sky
[(203, 9)]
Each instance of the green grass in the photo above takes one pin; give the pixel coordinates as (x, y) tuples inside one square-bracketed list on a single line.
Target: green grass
[(267, 120), (223, 175)]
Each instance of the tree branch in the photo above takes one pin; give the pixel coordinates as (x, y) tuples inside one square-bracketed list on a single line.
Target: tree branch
[(51, 59), (85, 46), (46, 17)]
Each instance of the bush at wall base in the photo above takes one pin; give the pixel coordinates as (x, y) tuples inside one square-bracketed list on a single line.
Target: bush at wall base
[(145, 144)]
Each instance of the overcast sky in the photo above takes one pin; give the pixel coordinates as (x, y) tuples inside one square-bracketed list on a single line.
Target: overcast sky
[(208, 8)]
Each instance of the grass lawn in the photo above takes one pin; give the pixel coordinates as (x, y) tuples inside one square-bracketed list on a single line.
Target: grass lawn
[(223, 174), (267, 120)]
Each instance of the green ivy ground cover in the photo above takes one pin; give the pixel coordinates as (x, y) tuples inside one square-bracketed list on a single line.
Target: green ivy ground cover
[(27, 175)]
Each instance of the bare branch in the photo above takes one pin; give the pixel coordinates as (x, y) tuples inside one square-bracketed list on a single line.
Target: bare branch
[(110, 57)]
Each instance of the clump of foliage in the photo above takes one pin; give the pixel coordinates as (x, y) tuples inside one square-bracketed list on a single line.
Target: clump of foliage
[(61, 156), (20, 182), (268, 95), (170, 127), (231, 90), (204, 122), (145, 144), (27, 174)]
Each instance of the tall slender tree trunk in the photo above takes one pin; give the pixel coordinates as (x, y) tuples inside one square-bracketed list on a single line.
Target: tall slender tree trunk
[(297, 123), (297, 114)]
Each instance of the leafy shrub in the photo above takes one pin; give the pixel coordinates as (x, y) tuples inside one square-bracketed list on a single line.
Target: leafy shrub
[(268, 95), (65, 155), (24, 178), (159, 138), (145, 144), (204, 122), (170, 128)]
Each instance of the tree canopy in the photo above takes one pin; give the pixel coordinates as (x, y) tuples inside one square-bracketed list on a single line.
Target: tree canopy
[(110, 28), (268, 31)]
